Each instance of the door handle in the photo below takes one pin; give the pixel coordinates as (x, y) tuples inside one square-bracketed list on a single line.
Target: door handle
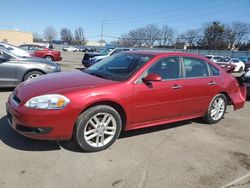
[(176, 87), (211, 83)]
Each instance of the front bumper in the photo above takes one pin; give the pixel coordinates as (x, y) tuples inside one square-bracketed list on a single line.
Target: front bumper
[(40, 124)]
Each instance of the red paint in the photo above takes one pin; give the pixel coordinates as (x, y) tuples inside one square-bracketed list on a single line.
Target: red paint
[(145, 104), (48, 52)]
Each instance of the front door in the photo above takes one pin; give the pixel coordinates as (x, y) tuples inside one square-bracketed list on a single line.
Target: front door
[(8, 70), (159, 100)]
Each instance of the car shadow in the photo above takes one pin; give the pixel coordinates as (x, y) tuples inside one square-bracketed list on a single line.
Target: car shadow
[(148, 130), (17, 141)]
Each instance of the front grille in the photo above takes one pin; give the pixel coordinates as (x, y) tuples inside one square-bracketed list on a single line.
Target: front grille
[(16, 99)]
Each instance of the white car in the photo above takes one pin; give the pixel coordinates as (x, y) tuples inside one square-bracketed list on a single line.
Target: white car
[(15, 50), (70, 49), (240, 66), (111, 52), (214, 57)]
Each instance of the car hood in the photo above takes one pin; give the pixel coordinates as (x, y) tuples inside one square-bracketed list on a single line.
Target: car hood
[(37, 60), (59, 83)]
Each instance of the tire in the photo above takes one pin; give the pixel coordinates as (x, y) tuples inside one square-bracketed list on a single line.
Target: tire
[(32, 75), (48, 57), (216, 111), (97, 128)]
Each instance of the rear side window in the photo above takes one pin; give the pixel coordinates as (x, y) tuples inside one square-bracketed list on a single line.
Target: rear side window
[(214, 70), (195, 67)]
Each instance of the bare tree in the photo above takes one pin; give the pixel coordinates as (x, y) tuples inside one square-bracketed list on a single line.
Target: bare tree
[(191, 36), (49, 33), (79, 36), (239, 32), (166, 36), (138, 36), (66, 35), (152, 33), (37, 37), (126, 41)]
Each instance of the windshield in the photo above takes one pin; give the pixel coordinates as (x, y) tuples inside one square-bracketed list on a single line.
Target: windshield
[(118, 67), (106, 51)]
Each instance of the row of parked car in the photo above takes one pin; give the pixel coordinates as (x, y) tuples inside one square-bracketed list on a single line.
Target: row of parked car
[(18, 65), (79, 49), (29, 50), (240, 64)]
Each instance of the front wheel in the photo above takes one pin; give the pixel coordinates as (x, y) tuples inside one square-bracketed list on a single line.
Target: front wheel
[(32, 75), (216, 109), (97, 128)]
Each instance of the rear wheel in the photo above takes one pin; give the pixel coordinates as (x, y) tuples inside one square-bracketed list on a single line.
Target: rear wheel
[(48, 57), (32, 75), (97, 128), (216, 109)]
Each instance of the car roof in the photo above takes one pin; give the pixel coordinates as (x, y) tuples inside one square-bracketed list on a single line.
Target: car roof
[(164, 53)]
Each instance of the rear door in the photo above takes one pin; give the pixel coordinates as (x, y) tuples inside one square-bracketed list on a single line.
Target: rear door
[(8, 70), (200, 86)]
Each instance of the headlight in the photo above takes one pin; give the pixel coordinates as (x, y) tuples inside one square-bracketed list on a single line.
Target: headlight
[(48, 102)]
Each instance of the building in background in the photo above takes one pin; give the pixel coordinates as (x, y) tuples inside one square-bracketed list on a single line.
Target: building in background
[(15, 37)]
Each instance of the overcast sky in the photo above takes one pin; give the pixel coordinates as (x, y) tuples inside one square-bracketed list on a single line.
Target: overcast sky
[(119, 16)]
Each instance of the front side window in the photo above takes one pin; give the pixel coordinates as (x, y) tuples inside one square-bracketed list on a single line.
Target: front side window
[(167, 68), (195, 67)]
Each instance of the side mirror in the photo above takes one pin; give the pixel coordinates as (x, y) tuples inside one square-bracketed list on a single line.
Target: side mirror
[(152, 78)]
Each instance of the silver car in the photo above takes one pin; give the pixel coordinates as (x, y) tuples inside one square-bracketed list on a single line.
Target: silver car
[(15, 69)]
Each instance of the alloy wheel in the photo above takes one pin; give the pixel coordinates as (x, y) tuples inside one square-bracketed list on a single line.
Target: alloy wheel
[(217, 108), (100, 129)]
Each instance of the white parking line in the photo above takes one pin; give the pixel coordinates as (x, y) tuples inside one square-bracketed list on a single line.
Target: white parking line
[(236, 181)]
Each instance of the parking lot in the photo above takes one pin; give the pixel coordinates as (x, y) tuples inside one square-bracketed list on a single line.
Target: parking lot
[(184, 154)]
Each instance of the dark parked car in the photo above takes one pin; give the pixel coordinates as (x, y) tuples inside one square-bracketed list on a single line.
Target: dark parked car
[(42, 52), (247, 81), (86, 49), (14, 69), (92, 58), (126, 91)]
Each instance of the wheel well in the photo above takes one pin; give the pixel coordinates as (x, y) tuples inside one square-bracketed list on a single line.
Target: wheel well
[(49, 56), (32, 71), (229, 100), (114, 105)]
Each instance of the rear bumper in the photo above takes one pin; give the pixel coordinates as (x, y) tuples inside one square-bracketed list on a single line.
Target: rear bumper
[(58, 58)]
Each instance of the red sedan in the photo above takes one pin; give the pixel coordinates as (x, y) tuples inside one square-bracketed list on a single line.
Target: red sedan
[(42, 52), (126, 91)]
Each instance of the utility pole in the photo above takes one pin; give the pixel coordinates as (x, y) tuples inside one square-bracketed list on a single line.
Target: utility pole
[(103, 22)]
